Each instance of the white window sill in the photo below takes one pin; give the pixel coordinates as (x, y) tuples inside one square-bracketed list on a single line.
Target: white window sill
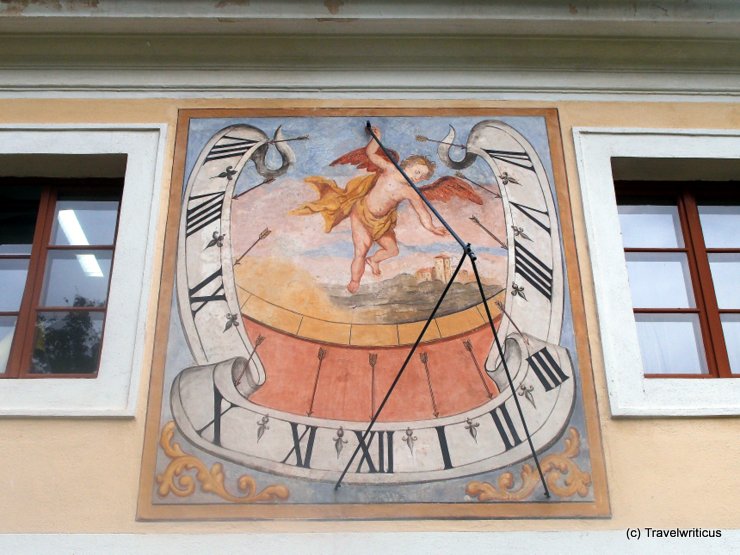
[(113, 393), (630, 393)]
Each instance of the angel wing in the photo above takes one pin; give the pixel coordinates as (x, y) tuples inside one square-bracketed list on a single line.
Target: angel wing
[(447, 187), (359, 159)]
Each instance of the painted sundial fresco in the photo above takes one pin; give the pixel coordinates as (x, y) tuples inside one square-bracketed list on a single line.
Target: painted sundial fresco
[(306, 268)]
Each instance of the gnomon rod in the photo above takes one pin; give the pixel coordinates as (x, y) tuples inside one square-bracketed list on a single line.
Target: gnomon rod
[(508, 376), (462, 243), (400, 372)]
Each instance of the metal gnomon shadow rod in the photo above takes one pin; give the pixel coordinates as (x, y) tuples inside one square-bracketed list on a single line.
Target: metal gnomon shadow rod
[(467, 252)]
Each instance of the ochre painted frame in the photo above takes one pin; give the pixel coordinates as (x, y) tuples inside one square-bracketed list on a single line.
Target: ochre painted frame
[(599, 507)]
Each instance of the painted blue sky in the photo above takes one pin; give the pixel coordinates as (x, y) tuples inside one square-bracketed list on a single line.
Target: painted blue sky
[(331, 137)]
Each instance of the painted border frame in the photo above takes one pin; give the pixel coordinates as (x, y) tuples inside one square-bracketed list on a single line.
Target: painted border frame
[(599, 507)]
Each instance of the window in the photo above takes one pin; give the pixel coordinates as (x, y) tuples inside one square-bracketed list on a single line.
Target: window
[(682, 250), (606, 155), (133, 155), (56, 251)]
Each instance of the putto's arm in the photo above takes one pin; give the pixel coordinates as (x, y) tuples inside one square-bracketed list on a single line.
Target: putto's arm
[(372, 153), (425, 217)]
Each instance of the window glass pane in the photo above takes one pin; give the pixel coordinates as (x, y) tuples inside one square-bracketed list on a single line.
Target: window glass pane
[(67, 342), (671, 344), (19, 206), (731, 329), (659, 280), (84, 222), (7, 329), (76, 278), (13, 274), (720, 226), (726, 277), (650, 226)]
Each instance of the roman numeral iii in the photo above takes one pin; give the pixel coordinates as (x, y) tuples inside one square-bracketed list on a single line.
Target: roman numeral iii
[(547, 369)]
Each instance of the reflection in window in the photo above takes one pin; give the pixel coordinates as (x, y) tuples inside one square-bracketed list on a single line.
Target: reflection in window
[(67, 342), (57, 239)]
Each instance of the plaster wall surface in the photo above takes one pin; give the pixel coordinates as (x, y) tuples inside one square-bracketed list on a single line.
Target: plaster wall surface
[(82, 475)]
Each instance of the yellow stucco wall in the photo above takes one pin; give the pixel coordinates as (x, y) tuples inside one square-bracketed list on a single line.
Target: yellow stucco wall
[(74, 475)]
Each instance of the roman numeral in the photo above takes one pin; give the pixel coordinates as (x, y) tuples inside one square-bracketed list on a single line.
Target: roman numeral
[(547, 369), (302, 457), (384, 462), (229, 147), (217, 414), (531, 213), (198, 300), (515, 157), (533, 270), (505, 427), (443, 447), (203, 213)]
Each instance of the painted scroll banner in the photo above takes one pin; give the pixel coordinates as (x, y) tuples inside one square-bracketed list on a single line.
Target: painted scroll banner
[(229, 426)]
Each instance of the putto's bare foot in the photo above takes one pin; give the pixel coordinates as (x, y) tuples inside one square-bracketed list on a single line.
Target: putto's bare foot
[(353, 286), (374, 266)]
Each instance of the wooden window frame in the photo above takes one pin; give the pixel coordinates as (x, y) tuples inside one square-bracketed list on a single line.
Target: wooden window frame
[(21, 352), (685, 196)]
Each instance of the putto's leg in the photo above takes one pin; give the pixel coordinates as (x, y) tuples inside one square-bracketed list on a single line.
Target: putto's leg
[(362, 241), (388, 249)]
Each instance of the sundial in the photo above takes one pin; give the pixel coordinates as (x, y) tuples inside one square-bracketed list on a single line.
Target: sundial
[(309, 271)]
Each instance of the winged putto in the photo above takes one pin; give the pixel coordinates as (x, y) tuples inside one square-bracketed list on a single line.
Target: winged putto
[(371, 202)]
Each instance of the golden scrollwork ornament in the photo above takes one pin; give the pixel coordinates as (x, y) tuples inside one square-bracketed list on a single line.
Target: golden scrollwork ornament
[(172, 480), (564, 477)]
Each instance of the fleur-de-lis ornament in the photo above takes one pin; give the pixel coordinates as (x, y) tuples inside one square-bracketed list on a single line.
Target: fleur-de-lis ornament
[(218, 239), (506, 179), (526, 392), (232, 320), (519, 232), (262, 426), (516, 290), (339, 441), (409, 439), (228, 173), (472, 428)]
